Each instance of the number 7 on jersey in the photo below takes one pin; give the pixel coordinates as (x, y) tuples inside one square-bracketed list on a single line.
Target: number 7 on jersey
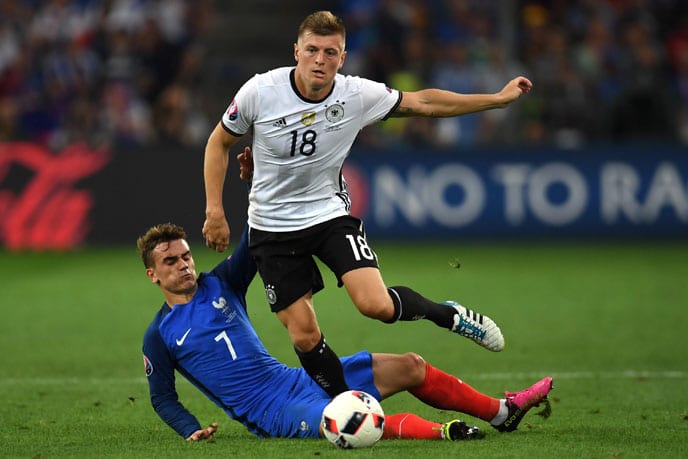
[(223, 336)]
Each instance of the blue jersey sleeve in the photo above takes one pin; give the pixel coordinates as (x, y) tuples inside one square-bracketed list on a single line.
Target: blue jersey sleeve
[(159, 367), (240, 268)]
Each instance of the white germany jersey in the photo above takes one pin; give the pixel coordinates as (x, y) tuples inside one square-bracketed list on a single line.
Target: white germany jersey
[(299, 145)]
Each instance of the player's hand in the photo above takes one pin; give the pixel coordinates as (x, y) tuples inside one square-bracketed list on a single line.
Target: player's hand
[(216, 231), (203, 434), (515, 89), (246, 164)]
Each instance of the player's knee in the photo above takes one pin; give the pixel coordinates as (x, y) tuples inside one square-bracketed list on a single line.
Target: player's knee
[(414, 367), (304, 339), (305, 343), (375, 306), (301, 324)]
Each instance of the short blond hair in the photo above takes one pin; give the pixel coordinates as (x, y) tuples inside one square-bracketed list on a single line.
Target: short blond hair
[(323, 23)]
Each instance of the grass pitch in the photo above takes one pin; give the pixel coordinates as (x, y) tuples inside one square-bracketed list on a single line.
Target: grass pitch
[(607, 321)]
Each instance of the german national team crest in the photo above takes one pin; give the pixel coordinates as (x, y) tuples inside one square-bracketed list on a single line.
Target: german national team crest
[(271, 294), (334, 113), (308, 118)]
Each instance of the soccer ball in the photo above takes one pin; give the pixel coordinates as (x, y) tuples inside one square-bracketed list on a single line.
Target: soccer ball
[(353, 419)]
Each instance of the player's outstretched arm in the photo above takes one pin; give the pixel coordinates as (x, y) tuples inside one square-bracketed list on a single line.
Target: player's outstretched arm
[(439, 103), (203, 434), (215, 228)]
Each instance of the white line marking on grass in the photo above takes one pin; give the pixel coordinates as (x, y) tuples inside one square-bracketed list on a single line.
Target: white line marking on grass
[(625, 374), (57, 381)]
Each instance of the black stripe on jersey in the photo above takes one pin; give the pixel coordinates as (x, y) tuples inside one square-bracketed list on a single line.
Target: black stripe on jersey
[(343, 194), (394, 108), (229, 131), (251, 426)]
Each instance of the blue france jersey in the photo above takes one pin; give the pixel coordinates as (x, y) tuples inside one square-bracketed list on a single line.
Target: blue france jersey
[(212, 343)]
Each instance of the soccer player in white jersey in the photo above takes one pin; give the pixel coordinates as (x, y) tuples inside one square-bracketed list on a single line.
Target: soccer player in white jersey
[(203, 332), (304, 120)]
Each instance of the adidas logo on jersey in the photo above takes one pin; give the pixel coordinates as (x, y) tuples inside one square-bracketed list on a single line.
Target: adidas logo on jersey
[(280, 123)]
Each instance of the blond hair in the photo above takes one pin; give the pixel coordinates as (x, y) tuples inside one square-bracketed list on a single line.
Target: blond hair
[(323, 23)]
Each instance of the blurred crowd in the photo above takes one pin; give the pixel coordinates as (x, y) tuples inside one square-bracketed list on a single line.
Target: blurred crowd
[(129, 72), (118, 72), (604, 71)]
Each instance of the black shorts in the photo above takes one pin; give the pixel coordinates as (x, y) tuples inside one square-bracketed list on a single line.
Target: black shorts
[(286, 264)]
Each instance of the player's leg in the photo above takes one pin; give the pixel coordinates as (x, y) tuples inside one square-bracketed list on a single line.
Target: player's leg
[(444, 391), (382, 375), (347, 253), (413, 427), (398, 372), (316, 357), (291, 277), (301, 323), (394, 373), (369, 294)]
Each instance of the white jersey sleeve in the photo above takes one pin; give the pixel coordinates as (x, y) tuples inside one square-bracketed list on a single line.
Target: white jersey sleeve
[(377, 96), (299, 145), (238, 122)]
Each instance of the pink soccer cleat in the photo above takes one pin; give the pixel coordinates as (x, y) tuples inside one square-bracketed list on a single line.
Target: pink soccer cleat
[(520, 402)]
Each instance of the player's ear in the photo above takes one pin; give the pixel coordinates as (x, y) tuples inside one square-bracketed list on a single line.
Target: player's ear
[(150, 273), (341, 60), (296, 52)]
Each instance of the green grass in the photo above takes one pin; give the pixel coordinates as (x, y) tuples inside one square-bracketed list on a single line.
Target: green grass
[(608, 322)]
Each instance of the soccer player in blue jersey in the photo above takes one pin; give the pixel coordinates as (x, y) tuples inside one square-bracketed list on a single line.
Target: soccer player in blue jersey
[(203, 332)]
